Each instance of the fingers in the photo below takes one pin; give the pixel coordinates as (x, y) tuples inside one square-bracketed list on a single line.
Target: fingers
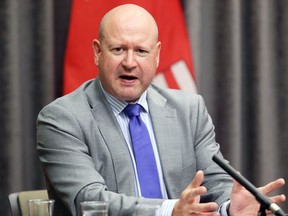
[(194, 190), (272, 186), (204, 207), (265, 189), (204, 213), (192, 195), (181, 209), (198, 179), (278, 199), (199, 209), (189, 202)]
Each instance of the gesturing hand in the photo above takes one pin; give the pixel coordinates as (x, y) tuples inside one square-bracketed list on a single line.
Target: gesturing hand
[(189, 202), (243, 202)]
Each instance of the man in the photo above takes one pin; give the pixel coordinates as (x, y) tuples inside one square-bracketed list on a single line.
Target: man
[(85, 146)]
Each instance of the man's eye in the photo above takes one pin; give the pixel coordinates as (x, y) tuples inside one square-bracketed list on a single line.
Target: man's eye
[(117, 50), (141, 52)]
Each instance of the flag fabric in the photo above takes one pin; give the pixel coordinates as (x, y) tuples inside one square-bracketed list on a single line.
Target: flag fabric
[(175, 69)]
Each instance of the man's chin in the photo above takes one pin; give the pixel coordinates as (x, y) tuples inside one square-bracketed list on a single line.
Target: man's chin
[(130, 98), (129, 94)]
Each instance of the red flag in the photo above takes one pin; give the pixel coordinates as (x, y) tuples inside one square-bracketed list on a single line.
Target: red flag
[(175, 69)]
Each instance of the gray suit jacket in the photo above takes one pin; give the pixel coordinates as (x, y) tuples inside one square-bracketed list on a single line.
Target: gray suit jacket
[(85, 156)]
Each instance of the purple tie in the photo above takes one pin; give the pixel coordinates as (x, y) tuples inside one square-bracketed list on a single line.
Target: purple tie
[(143, 153)]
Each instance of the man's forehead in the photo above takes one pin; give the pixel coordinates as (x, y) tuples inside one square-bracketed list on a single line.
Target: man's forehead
[(128, 17)]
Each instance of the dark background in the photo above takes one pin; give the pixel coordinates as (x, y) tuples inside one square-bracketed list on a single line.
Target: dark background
[(240, 54)]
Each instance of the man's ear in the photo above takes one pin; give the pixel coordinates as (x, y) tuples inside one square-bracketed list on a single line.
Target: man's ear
[(158, 54), (96, 50)]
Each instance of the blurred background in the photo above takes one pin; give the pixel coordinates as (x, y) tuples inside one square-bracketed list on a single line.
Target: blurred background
[(240, 66)]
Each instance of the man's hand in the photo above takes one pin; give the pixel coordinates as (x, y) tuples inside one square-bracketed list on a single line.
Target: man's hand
[(243, 203), (189, 202)]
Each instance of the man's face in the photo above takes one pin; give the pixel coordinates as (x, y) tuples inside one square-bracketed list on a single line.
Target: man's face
[(127, 58)]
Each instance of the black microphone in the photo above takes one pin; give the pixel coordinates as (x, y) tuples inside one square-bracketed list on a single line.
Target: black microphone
[(264, 201)]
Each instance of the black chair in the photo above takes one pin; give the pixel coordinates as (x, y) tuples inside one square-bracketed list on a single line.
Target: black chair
[(18, 201)]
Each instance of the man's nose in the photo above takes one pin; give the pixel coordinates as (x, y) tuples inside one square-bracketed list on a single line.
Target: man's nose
[(129, 60)]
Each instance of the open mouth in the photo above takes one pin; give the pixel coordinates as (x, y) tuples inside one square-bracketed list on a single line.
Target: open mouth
[(128, 77)]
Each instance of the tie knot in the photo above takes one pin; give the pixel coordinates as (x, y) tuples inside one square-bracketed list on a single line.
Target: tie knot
[(132, 110)]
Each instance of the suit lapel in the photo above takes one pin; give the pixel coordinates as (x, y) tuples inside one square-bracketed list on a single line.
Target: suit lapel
[(114, 138), (163, 118), (167, 135)]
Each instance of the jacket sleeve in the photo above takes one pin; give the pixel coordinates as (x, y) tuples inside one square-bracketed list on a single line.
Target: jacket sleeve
[(217, 181)]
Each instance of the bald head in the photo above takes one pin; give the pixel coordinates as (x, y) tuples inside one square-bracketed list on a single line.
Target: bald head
[(127, 16)]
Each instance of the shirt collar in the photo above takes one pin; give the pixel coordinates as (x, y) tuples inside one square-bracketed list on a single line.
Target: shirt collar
[(118, 105)]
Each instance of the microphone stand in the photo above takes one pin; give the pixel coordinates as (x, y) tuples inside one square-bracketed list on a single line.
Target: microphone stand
[(265, 202), (262, 210)]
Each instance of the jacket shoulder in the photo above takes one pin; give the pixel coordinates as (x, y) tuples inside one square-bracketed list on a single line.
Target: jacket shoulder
[(175, 96)]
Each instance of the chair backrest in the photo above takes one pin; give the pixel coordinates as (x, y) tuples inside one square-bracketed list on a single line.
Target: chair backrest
[(18, 201), (14, 205)]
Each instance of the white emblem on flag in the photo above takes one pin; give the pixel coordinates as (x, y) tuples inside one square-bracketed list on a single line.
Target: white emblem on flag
[(182, 76)]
